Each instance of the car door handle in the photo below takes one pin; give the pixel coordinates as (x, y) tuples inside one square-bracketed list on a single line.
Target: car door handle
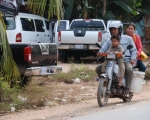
[(44, 35), (37, 34), (48, 35)]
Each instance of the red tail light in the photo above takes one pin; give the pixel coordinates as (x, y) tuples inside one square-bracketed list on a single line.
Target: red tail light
[(18, 37), (27, 54), (99, 36), (59, 36)]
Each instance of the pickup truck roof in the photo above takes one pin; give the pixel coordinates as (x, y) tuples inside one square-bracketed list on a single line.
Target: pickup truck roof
[(87, 19)]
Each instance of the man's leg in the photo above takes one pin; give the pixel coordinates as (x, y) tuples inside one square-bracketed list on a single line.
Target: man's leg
[(98, 70), (128, 74)]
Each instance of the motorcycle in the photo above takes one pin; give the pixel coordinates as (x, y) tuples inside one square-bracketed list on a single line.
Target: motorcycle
[(109, 81)]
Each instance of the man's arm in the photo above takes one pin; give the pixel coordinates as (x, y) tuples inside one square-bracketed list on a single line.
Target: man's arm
[(105, 46)]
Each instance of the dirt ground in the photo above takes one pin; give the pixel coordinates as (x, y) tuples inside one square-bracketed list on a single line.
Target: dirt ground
[(85, 102)]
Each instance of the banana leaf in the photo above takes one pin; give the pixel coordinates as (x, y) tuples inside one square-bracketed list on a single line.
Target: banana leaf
[(123, 6), (145, 11)]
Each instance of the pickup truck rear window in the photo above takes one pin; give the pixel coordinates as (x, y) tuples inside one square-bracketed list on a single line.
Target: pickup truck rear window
[(91, 25), (61, 26), (10, 23)]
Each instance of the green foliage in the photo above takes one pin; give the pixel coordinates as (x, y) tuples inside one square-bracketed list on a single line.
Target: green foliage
[(123, 5), (38, 7), (8, 67), (82, 72), (8, 96), (125, 10)]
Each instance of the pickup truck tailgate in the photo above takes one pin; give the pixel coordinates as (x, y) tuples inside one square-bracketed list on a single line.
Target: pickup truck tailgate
[(43, 54), (39, 59), (79, 36)]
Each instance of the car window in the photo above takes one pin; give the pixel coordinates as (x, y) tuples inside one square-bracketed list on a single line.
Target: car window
[(47, 25), (87, 24), (10, 23), (61, 26), (27, 24), (39, 25)]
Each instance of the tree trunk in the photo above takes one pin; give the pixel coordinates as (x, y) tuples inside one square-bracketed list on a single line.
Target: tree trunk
[(104, 7)]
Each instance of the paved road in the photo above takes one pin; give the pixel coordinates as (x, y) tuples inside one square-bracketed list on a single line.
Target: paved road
[(138, 111)]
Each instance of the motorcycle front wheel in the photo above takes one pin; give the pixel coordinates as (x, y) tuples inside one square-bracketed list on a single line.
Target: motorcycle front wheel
[(102, 96)]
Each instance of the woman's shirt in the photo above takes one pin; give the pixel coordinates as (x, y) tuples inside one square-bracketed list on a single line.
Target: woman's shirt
[(138, 45)]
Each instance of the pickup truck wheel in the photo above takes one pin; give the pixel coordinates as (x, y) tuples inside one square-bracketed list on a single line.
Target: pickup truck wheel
[(25, 80), (76, 57), (64, 59)]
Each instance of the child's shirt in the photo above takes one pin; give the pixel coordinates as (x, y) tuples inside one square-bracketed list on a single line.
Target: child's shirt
[(116, 49)]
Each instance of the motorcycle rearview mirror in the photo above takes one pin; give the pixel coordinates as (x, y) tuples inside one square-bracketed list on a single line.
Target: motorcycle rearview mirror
[(98, 45)]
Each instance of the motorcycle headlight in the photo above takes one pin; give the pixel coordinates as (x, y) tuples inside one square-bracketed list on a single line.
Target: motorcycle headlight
[(111, 56)]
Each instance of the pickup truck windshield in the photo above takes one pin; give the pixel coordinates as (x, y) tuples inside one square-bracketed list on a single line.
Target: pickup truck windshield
[(93, 25)]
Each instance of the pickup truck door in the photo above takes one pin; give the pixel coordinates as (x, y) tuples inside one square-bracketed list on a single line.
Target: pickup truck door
[(47, 31), (60, 25), (40, 30), (51, 30)]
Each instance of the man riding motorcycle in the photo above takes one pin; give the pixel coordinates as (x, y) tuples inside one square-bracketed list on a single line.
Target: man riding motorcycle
[(115, 27)]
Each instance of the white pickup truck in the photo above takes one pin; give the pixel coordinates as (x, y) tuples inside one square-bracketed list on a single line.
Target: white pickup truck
[(80, 38)]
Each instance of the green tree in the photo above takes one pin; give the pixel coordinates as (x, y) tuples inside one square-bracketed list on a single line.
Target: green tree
[(8, 68), (125, 10)]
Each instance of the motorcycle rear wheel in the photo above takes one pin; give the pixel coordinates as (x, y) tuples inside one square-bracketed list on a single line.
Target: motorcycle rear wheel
[(102, 96)]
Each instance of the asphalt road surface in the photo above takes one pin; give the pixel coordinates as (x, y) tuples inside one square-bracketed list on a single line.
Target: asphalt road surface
[(137, 111)]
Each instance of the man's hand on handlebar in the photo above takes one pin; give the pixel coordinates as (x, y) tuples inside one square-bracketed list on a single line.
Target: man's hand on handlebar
[(99, 54)]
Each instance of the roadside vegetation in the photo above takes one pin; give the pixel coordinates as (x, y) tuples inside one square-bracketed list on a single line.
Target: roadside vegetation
[(49, 91), (45, 91)]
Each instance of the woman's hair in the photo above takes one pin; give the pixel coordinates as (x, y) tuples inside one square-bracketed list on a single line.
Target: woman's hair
[(117, 37), (131, 24)]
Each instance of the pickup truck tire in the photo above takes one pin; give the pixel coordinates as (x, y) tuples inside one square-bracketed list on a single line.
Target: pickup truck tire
[(25, 80), (65, 59), (77, 58)]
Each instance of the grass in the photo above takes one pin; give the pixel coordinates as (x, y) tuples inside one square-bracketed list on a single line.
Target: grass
[(49, 91), (82, 71), (45, 91)]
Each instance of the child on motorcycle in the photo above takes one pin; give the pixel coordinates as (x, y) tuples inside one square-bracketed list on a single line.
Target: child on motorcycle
[(116, 48)]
